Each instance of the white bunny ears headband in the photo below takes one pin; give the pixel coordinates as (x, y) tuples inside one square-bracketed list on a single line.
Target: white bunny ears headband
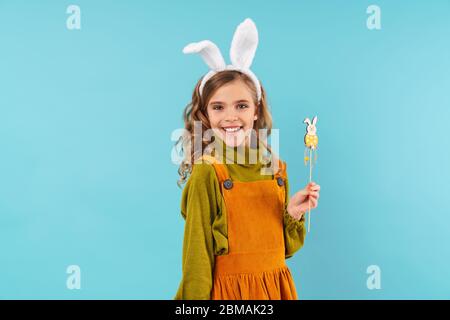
[(242, 52)]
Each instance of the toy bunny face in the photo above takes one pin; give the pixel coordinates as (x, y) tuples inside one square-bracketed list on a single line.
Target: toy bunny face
[(311, 128)]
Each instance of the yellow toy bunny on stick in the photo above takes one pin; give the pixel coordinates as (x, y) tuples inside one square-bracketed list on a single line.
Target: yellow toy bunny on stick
[(311, 142)]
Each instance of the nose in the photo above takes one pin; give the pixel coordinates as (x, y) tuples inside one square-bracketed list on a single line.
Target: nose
[(231, 115)]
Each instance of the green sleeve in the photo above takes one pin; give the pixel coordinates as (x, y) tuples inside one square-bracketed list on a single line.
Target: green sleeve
[(294, 230), (198, 208)]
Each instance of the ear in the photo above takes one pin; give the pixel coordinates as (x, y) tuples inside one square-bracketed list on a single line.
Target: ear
[(307, 121), (209, 52), (244, 44), (314, 120)]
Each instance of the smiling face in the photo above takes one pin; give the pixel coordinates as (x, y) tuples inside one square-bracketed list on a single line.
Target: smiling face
[(232, 112)]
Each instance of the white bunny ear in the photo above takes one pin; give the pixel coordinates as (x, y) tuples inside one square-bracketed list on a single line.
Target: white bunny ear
[(243, 45), (314, 120), (209, 52), (307, 121)]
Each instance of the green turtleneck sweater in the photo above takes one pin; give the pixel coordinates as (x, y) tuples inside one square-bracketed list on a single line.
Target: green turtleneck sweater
[(205, 233)]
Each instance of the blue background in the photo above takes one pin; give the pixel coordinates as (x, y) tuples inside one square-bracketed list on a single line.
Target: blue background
[(86, 116)]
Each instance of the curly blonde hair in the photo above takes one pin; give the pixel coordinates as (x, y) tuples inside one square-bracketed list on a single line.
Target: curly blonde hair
[(196, 110)]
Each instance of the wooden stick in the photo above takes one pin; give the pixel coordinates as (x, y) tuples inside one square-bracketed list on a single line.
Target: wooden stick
[(309, 199)]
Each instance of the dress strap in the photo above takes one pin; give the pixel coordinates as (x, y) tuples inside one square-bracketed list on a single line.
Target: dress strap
[(281, 169), (220, 168)]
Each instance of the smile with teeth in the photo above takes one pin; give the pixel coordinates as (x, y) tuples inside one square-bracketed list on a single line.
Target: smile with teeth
[(231, 129)]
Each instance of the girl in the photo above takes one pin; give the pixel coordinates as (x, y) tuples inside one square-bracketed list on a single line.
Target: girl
[(240, 224)]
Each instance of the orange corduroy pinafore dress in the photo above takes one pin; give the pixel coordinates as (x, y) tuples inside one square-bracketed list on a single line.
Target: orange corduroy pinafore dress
[(255, 266)]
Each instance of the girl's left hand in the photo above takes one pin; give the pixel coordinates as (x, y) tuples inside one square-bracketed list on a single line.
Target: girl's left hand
[(299, 203)]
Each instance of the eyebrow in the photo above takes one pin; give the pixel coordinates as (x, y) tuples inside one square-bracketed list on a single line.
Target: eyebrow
[(220, 102)]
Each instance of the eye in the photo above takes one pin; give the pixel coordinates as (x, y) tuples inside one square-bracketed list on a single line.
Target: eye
[(242, 105), (217, 107)]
